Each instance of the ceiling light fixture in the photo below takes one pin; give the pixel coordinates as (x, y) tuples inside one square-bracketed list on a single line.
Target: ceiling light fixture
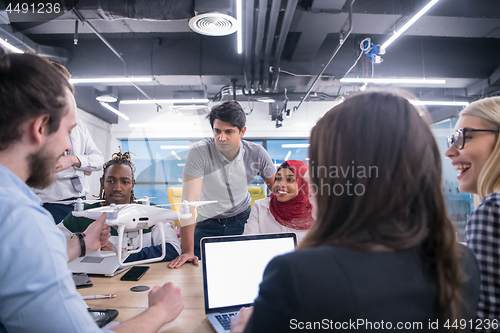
[(266, 100), (408, 24), (107, 98), (295, 145), (10, 47), (441, 103), (393, 81), (174, 147), (239, 32), (112, 109), (165, 101), (288, 155), (111, 80), (176, 155)]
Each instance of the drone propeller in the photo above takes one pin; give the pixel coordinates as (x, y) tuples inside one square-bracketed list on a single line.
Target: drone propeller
[(192, 203), (146, 198), (94, 213), (68, 202)]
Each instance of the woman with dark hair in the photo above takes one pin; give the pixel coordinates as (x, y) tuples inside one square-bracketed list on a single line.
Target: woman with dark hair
[(382, 253), (287, 209)]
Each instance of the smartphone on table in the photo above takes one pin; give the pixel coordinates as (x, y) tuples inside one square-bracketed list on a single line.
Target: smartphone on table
[(135, 273)]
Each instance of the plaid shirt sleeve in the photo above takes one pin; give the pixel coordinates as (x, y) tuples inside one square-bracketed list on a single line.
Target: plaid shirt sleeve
[(483, 238)]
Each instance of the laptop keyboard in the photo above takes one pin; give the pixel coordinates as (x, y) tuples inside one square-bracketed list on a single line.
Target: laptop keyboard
[(224, 319)]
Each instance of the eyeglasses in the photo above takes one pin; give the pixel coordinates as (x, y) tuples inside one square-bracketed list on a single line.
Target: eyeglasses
[(457, 139)]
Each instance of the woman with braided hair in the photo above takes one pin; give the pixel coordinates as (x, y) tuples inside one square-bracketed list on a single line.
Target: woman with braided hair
[(117, 187)]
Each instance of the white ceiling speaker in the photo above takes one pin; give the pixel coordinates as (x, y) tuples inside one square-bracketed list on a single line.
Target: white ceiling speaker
[(213, 24)]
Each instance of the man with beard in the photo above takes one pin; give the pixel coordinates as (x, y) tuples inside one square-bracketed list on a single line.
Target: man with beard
[(37, 294), (221, 168)]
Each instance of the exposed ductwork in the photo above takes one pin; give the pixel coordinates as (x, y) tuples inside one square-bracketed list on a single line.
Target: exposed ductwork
[(270, 19), (140, 9)]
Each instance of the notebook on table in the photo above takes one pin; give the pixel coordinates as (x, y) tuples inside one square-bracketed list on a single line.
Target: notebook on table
[(93, 263), (232, 271)]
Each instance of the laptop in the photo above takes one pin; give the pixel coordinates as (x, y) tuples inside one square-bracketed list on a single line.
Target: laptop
[(93, 263), (232, 271)]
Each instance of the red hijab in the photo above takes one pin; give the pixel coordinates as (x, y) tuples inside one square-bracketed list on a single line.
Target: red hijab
[(294, 213)]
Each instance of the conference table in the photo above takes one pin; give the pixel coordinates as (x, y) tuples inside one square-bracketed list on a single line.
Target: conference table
[(129, 304)]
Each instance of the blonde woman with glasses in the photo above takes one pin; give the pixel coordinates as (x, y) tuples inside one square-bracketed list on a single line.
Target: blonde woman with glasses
[(474, 150)]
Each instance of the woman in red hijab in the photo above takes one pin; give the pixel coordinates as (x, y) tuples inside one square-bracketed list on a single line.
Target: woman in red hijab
[(287, 209)]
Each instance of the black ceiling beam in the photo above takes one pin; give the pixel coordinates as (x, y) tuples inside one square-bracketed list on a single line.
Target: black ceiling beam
[(485, 86)]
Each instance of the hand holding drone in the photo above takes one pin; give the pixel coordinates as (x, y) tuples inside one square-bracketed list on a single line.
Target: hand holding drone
[(131, 219)]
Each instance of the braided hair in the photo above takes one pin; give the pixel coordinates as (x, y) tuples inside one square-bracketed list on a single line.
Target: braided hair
[(118, 158)]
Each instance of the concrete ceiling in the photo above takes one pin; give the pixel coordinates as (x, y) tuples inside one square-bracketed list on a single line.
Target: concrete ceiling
[(286, 44)]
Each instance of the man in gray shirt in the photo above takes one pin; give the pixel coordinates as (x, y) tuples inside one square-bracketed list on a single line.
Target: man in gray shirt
[(220, 168)]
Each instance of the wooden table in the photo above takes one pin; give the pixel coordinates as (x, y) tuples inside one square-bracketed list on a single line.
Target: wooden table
[(129, 304)]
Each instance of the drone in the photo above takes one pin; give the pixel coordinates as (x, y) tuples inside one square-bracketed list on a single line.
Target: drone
[(78, 203), (131, 219)]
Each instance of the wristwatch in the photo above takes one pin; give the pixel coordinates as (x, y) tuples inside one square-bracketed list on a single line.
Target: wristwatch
[(81, 236)]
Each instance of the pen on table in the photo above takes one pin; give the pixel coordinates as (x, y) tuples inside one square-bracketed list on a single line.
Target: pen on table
[(98, 296)]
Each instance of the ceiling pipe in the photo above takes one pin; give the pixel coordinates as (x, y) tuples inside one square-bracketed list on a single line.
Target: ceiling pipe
[(285, 28), (248, 34), (342, 38), (137, 9), (82, 19), (271, 31), (259, 37)]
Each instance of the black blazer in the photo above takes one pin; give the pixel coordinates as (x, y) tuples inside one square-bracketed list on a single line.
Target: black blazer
[(331, 287)]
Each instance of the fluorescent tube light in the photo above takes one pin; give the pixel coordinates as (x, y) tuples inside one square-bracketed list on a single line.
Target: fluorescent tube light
[(176, 155), (288, 155), (112, 109), (443, 103), (389, 81), (160, 101), (295, 145), (409, 23), (111, 80), (239, 32), (174, 147), (266, 100), (10, 47)]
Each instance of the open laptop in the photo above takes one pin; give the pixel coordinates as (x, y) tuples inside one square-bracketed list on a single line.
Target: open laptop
[(93, 263), (232, 271)]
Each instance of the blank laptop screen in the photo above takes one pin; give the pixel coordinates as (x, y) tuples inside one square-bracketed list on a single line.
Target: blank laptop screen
[(234, 269)]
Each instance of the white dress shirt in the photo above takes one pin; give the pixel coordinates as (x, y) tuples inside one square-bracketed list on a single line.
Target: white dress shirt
[(91, 159), (261, 221)]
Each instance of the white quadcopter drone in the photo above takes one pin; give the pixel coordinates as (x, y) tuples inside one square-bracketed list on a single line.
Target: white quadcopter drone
[(131, 219)]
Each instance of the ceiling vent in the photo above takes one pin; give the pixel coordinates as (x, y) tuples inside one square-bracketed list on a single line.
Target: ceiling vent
[(213, 24)]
